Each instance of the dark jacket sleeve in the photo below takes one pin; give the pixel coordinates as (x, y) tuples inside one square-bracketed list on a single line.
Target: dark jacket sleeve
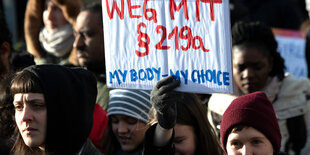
[(150, 149), (89, 148), (297, 130)]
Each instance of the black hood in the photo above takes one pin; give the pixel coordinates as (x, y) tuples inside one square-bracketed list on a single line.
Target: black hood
[(70, 97)]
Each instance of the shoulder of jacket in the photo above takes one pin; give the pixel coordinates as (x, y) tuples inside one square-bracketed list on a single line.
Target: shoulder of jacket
[(218, 103)]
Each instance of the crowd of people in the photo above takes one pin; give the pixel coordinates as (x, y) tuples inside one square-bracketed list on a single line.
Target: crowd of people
[(54, 98)]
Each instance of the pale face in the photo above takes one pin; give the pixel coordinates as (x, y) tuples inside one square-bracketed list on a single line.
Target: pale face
[(248, 141), (184, 140), (89, 42), (128, 131), (251, 68), (53, 17), (30, 117)]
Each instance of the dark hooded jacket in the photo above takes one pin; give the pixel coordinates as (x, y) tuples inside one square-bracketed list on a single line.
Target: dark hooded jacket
[(70, 97)]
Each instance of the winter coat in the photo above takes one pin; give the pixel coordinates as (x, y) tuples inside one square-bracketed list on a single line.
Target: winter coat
[(34, 22), (291, 104), (99, 125), (103, 91), (150, 149), (70, 98), (89, 149)]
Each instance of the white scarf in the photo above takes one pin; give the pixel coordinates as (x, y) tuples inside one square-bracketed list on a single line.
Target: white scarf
[(58, 42)]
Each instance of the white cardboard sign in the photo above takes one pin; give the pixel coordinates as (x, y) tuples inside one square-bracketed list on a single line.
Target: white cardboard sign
[(147, 40)]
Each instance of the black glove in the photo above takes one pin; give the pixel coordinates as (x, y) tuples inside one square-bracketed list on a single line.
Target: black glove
[(164, 99)]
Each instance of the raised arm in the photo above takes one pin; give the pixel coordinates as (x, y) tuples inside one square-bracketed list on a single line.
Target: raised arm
[(164, 100)]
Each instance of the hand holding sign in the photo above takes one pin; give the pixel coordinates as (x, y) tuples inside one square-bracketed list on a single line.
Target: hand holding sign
[(146, 41), (164, 99)]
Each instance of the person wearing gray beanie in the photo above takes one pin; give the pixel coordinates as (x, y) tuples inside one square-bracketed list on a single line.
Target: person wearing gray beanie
[(129, 118)]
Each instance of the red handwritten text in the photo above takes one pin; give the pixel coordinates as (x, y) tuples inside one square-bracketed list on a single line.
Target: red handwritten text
[(153, 17), (120, 12), (185, 34), (142, 43)]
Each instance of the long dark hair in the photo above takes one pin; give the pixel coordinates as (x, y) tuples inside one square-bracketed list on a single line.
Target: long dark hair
[(109, 142), (190, 111)]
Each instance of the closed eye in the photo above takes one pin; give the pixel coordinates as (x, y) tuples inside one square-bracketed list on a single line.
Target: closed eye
[(131, 121), (256, 141), (37, 106), (178, 140)]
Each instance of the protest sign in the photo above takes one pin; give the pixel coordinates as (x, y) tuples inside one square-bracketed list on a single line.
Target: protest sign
[(147, 40), (291, 46)]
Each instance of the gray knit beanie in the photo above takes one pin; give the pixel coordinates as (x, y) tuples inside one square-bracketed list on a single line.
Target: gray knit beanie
[(130, 102)]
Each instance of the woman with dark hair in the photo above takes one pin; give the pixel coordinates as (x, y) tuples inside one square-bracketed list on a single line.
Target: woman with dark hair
[(257, 66), (53, 110), (183, 126), (129, 118)]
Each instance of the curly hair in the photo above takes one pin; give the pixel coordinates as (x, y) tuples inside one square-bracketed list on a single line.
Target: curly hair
[(258, 35)]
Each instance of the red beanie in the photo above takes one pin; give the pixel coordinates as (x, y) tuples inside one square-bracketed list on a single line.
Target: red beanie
[(254, 110)]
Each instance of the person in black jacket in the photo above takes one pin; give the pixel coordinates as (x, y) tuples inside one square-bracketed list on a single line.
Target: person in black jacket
[(53, 110), (10, 62), (183, 126)]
